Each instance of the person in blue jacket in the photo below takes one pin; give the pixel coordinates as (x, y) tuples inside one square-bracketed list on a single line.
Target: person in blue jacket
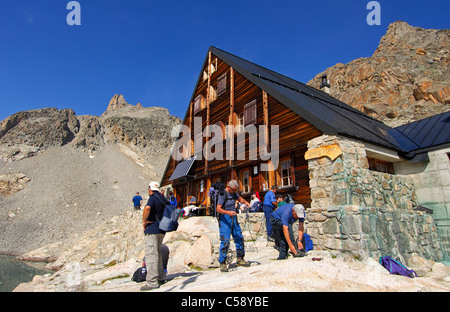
[(173, 199), (282, 220), (269, 205), (137, 201)]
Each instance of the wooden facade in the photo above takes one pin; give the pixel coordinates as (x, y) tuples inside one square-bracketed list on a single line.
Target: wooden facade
[(222, 97)]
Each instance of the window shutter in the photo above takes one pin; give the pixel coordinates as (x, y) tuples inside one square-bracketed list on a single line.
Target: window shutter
[(250, 113), (198, 104), (222, 84)]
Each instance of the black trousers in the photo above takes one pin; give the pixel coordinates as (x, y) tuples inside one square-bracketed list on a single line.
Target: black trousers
[(280, 240)]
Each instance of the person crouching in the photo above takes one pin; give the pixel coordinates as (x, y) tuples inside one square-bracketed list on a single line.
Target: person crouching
[(281, 221)]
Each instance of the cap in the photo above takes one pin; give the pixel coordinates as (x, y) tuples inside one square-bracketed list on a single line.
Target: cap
[(299, 210), (154, 186)]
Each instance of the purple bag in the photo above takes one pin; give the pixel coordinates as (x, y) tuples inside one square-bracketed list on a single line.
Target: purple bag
[(396, 267)]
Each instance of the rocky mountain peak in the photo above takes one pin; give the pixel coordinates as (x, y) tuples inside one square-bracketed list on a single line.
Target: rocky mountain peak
[(406, 79), (117, 102)]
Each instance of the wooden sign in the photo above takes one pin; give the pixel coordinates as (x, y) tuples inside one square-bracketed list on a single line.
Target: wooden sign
[(331, 151)]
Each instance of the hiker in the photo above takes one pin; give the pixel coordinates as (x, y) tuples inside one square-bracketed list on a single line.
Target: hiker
[(153, 213), (192, 200), (137, 201), (281, 221), (269, 205), (165, 252), (255, 203), (173, 200), (280, 200), (228, 225), (254, 200)]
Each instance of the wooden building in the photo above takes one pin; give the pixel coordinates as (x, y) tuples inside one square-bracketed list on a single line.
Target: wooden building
[(234, 91)]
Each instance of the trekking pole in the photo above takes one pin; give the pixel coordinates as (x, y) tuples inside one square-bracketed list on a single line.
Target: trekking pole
[(247, 218)]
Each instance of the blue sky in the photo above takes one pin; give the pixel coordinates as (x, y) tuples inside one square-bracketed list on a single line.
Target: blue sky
[(152, 51)]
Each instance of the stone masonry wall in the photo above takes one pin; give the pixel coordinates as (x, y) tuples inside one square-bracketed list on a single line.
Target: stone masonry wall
[(363, 212)]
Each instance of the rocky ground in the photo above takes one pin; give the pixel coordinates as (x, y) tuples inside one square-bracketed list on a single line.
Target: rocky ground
[(80, 191), (105, 258)]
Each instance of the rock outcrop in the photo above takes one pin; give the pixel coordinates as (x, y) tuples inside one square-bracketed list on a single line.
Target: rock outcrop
[(63, 174), (12, 183), (23, 134), (143, 133), (406, 79)]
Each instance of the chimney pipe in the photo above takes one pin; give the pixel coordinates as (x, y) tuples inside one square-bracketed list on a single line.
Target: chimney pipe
[(325, 86)]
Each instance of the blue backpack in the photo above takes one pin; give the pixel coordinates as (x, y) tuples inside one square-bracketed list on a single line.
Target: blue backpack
[(169, 220), (307, 242), (396, 267)]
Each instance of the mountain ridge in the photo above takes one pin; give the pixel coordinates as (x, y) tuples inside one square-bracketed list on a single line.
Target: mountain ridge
[(406, 79)]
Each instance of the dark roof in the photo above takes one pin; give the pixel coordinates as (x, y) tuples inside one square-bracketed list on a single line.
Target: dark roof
[(332, 116), (429, 133), (326, 113)]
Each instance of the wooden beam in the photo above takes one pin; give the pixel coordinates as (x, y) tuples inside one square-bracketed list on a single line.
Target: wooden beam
[(208, 200), (266, 116), (208, 112), (230, 118)]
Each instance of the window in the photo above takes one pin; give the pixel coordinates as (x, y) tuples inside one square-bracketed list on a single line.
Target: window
[(212, 93), (264, 185), (245, 182), (382, 168), (198, 145), (213, 66), (286, 178), (240, 123), (222, 84), (250, 113), (380, 165), (198, 103)]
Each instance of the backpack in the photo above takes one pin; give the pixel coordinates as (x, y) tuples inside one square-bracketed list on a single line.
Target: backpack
[(307, 242), (396, 267), (288, 199), (169, 221), (140, 275), (256, 207), (217, 188)]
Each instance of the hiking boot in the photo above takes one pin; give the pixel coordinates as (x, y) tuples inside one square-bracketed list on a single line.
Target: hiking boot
[(242, 262), (270, 239), (147, 287), (223, 267)]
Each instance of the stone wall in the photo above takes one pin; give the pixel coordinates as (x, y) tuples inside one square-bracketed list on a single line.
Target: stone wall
[(432, 185), (363, 212)]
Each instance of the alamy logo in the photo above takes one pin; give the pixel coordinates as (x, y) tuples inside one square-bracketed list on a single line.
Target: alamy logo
[(374, 16), (258, 143), (74, 16)]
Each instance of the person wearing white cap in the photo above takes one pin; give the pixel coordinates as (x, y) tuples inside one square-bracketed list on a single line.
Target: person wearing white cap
[(153, 213), (281, 220)]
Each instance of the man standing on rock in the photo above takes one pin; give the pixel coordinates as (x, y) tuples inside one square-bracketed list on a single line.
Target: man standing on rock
[(228, 225), (153, 213)]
